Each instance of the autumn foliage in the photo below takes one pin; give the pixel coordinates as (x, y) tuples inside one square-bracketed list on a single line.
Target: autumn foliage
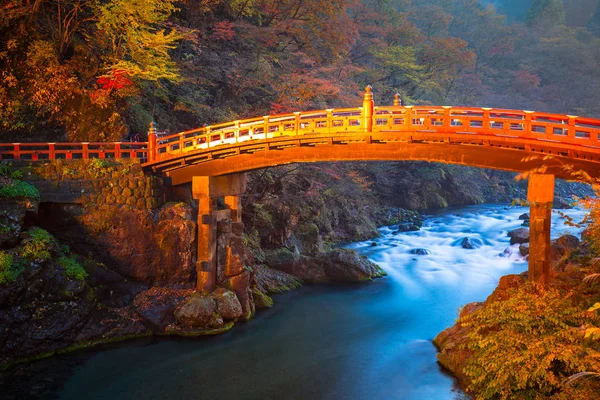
[(95, 70)]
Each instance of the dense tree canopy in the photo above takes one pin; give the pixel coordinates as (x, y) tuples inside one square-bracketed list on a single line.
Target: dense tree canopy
[(98, 69)]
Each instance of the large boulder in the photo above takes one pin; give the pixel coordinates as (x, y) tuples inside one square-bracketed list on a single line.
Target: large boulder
[(198, 311), (448, 342), (240, 285), (156, 306), (520, 235), (228, 305), (302, 267), (347, 265), (562, 246)]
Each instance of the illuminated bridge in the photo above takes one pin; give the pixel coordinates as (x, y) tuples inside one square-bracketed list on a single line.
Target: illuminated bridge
[(214, 158)]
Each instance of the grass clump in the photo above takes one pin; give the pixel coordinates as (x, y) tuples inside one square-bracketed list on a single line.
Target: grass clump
[(37, 247), (9, 269), (72, 268)]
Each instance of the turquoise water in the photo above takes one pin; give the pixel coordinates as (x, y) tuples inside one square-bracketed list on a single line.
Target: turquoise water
[(368, 341)]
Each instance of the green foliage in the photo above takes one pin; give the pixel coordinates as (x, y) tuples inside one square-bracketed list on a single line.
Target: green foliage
[(546, 12), (72, 268), (9, 269), (19, 189), (38, 246), (7, 171), (527, 346)]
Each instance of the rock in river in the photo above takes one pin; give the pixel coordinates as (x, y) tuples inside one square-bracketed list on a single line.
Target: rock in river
[(520, 235), (420, 252)]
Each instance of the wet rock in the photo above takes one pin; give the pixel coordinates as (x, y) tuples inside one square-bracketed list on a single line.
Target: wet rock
[(270, 280), (302, 267), (420, 252), (524, 216), (373, 244), (525, 223), (468, 243), (524, 249), (561, 203), (228, 305), (562, 246), (261, 299), (156, 307), (520, 235), (197, 311), (408, 227), (240, 285), (448, 342), (347, 265)]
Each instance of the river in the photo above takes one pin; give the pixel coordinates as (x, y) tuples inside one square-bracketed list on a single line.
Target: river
[(351, 342)]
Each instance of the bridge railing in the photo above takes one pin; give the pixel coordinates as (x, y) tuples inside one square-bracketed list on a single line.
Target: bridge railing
[(268, 127), (422, 119), (73, 151), (444, 120)]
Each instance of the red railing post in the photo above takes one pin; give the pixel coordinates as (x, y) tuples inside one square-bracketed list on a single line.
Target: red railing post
[(527, 127), (17, 151), (152, 142), (368, 110), (571, 128)]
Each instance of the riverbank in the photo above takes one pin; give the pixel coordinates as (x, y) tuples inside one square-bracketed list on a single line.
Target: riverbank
[(526, 340)]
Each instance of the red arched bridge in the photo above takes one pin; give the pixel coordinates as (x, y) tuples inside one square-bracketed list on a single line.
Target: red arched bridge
[(215, 157)]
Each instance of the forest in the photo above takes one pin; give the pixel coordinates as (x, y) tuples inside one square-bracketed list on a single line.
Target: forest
[(94, 70), (102, 70)]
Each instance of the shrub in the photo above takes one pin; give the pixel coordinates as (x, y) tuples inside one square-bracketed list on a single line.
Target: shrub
[(19, 189), (9, 270), (527, 346), (38, 246), (72, 268)]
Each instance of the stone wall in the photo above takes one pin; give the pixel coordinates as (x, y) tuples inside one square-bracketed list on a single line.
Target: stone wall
[(115, 213), (88, 182)]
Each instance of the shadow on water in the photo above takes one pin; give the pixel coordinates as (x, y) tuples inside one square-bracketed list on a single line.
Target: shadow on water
[(321, 342)]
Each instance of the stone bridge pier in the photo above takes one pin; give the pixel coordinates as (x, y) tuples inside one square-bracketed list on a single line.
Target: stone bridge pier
[(207, 189)]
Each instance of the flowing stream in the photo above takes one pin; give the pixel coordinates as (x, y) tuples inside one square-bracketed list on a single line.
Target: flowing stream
[(346, 342)]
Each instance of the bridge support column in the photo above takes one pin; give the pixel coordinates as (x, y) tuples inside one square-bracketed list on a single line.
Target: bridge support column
[(540, 194), (206, 189)]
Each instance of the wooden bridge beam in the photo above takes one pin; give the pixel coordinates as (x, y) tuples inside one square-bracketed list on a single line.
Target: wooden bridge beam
[(540, 194), (206, 189)]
